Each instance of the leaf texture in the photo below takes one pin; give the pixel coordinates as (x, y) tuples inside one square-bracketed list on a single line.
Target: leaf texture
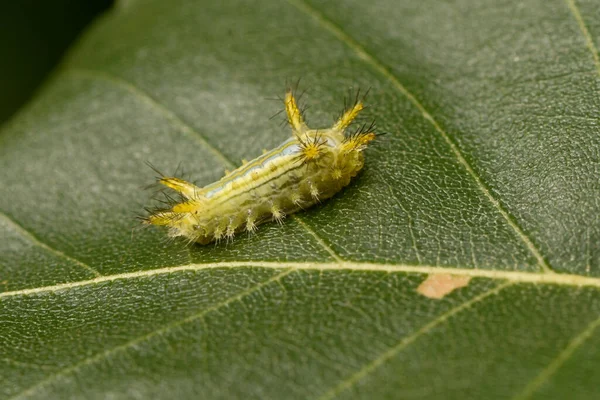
[(489, 173)]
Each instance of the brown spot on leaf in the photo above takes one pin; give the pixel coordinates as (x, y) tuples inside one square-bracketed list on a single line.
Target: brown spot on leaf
[(436, 286)]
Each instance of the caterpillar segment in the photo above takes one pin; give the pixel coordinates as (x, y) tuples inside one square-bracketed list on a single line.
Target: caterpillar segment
[(309, 167)]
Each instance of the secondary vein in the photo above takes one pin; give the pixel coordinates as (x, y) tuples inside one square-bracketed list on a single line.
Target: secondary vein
[(385, 71)]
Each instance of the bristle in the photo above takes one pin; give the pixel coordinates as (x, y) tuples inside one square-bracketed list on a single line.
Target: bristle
[(187, 189), (160, 174), (278, 214), (336, 173), (251, 224), (162, 218), (314, 191), (186, 207), (311, 148), (218, 232), (230, 231), (296, 198), (294, 115)]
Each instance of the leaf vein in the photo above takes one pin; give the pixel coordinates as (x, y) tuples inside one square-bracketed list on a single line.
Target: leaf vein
[(512, 276), (385, 71), (586, 33), (185, 127), (558, 361), (148, 336), (405, 342), (29, 235), (319, 240)]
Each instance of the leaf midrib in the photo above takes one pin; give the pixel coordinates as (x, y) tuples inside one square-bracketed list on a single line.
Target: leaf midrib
[(361, 372), (511, 276)]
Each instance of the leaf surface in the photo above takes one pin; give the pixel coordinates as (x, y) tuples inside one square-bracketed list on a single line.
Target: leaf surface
[(487, 181)]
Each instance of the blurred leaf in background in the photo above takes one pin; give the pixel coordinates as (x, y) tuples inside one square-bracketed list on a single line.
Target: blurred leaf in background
[(33, 36)]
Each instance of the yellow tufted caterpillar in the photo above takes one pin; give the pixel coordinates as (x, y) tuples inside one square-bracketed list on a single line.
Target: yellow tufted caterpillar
[(314, 164)]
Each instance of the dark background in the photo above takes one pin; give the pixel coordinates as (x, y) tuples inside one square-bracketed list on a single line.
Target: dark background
[(34, 35)]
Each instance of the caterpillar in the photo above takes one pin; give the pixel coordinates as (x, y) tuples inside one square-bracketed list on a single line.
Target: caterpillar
[(312, 165)]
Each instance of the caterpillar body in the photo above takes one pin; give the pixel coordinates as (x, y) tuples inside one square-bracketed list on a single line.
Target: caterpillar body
[(312, 165)]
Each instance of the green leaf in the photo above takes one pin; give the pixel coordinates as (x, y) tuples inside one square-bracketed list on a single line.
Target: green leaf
[(488, 177)]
